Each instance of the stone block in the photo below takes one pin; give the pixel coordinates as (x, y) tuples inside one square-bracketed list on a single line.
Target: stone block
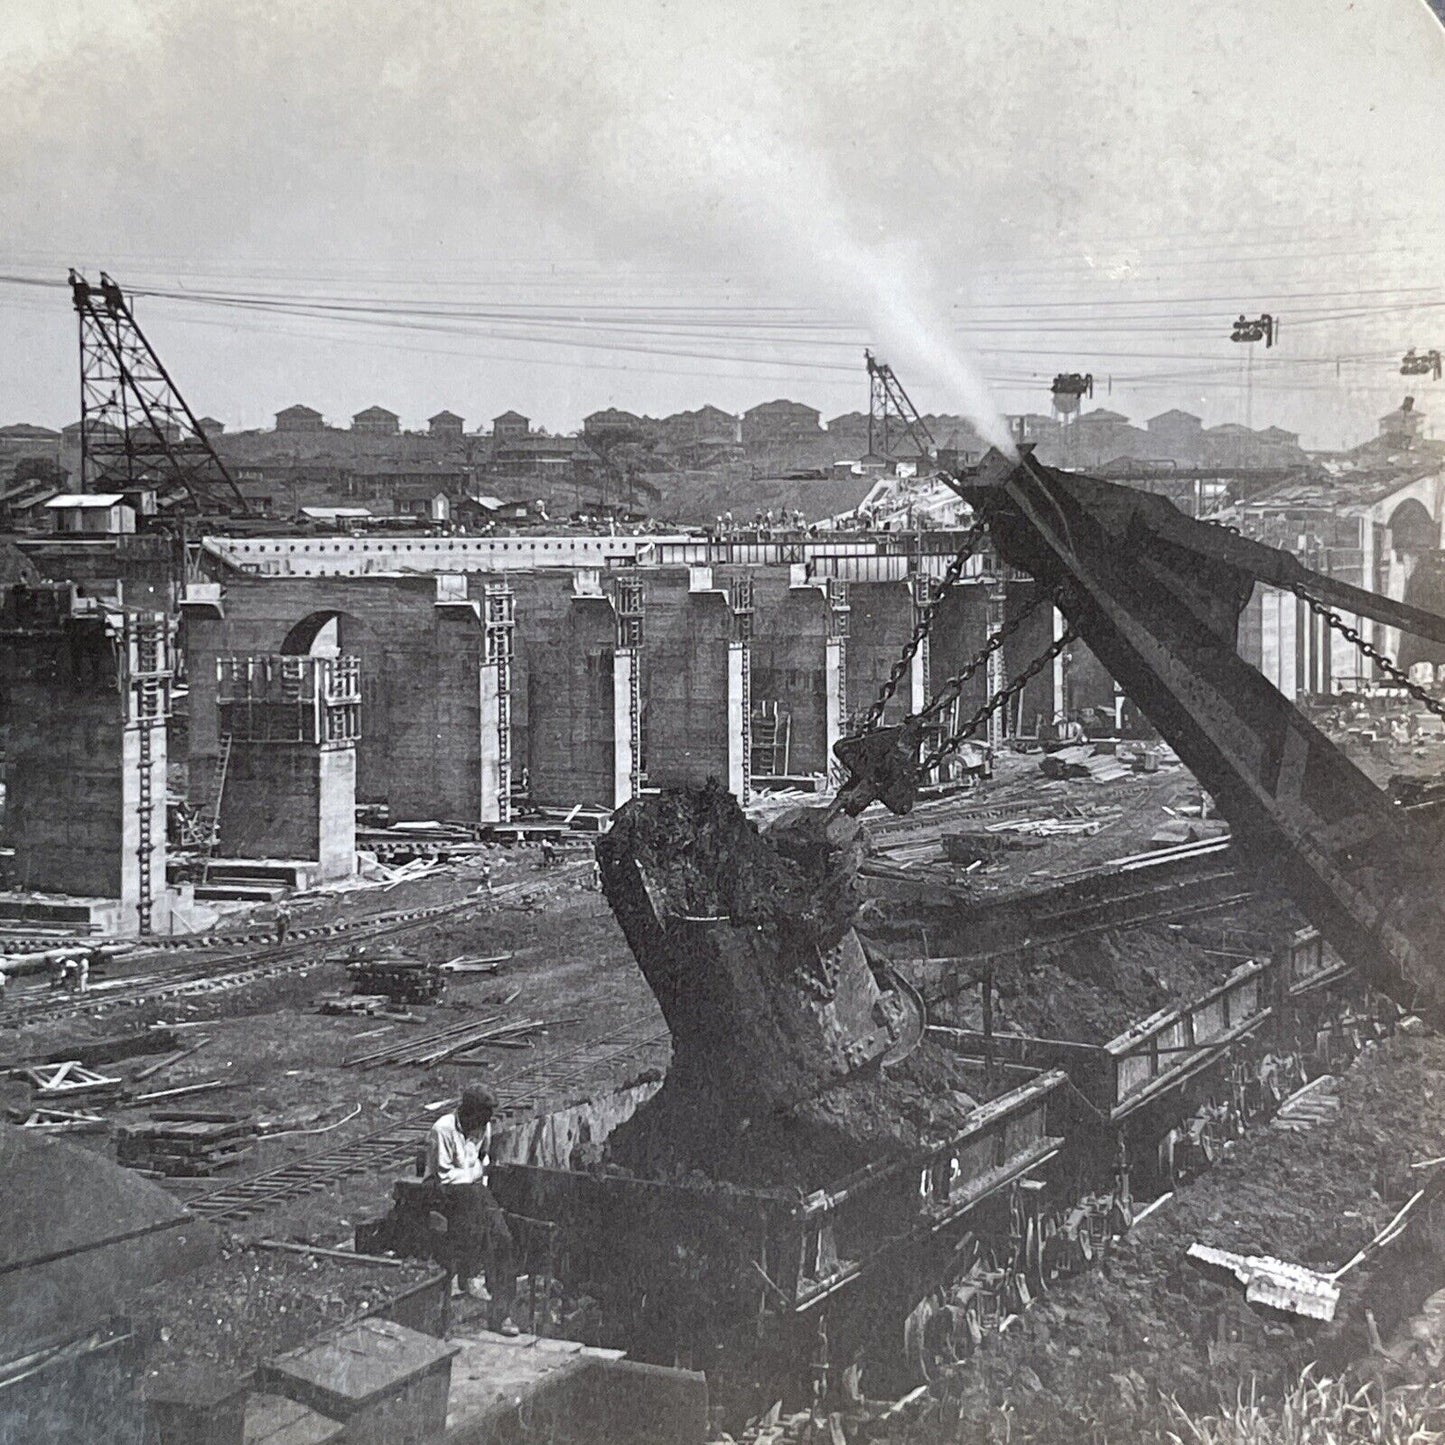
[(389, 1385)]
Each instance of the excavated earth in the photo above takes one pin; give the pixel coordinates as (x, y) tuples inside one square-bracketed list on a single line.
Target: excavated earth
[(1091, 989), (1087, 989), (252, 1304)]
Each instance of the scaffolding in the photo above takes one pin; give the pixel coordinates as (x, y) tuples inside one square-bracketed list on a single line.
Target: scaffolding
[(770, 740), (839, 619), (146, 672), (740, 602), (628, 601), (280, 698), (499, 620), (136, 431)]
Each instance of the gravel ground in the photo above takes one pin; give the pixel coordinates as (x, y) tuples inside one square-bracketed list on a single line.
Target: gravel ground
[(252, 1304)]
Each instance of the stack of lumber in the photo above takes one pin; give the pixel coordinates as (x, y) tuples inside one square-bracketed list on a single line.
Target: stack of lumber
[(364, 1004), (184, 1145), (402, 980)]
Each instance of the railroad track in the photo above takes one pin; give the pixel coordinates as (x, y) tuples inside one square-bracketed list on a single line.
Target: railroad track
[(528, 1092), (254, 965)]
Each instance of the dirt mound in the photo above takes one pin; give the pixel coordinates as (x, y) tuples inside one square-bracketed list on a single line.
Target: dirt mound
[(874, 1116), (1093, 988)]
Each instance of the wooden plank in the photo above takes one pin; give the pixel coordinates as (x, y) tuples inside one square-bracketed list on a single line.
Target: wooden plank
[(185, 1089), (345, 1254)]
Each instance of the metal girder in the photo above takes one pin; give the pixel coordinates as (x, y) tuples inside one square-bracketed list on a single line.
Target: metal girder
[(1161, 614)]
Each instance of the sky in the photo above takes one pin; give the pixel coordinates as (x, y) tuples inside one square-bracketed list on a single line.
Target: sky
[(560, 205)]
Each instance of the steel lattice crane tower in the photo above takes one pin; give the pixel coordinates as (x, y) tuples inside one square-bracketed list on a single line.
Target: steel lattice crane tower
[(891, 412), (136, 430)]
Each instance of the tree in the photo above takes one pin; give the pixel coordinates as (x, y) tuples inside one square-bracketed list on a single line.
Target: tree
[(39, 469)]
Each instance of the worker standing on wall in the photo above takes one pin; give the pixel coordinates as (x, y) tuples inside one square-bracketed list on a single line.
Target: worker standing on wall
[(458, 1161)]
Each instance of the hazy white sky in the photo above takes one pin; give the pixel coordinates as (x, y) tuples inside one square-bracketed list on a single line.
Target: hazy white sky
[(568, 205)]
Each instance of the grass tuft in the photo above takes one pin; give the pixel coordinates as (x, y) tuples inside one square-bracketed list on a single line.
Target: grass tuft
[(1321, 1411)]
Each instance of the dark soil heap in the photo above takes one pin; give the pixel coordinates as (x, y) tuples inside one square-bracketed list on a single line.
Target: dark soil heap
[(1091, 989), (747, 940)]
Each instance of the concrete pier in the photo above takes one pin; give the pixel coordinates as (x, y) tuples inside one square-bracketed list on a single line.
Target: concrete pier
[(290, 782), (85, 691)]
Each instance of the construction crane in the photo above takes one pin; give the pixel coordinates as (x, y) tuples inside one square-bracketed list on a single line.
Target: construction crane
[(1263, 328), (136, 431), (1158, 597), (1069, 388), (1421, 363), (891, 413)]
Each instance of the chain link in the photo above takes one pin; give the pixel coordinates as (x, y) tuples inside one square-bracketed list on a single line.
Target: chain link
[(924, 624), (949, 692), (1386, 664), (1000, 699)]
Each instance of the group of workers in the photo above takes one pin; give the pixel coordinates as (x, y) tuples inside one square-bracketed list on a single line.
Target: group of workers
[(787, 519)]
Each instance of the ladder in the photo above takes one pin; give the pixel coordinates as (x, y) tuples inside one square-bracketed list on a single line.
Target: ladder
[(210, 831), (769, 739), (634, 720), (627, 604), (499, 616), (144, 798)]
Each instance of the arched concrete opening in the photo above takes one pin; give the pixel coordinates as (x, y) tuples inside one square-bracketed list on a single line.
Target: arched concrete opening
[(324, 634), (331, 632), (1412, 529)]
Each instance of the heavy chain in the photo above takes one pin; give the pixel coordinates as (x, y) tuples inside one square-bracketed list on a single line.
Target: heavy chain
[(924, 624), (1000, 699), (949, 692), (1385, 664)]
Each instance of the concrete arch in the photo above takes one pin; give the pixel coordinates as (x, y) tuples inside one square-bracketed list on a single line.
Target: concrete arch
[(324, 633), (1412, 529)]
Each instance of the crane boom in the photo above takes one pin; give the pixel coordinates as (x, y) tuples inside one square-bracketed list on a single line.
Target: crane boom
[(1157, 596)]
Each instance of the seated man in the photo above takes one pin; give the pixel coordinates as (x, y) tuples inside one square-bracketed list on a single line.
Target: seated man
[(458, 1156)]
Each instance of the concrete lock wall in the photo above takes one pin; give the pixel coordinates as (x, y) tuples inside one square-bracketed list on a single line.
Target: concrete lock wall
[(789, 661), (65, 804), (429, 726), (879, 626), (423, 742), (73, 779), (291, 801), (960, 629), (691, 710), (1039, 699), (571, 694)]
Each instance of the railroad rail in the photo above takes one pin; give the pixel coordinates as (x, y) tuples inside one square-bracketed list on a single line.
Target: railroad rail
[(550, 1081), (255, 964)]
